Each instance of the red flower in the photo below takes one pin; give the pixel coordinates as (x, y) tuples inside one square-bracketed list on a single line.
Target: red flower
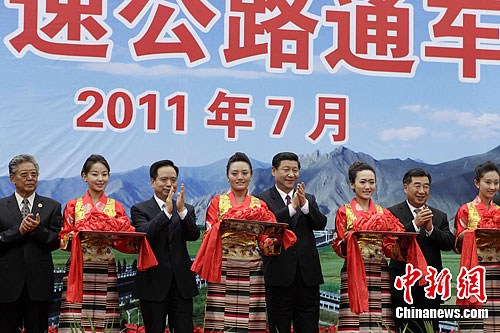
[(134, 328), (251, 214), (378, 222), (330, 329), (490, 220), (99, 221)]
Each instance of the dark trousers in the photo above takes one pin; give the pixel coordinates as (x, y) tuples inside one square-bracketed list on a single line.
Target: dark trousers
[(178, 309), (33, 315), (296, 303)]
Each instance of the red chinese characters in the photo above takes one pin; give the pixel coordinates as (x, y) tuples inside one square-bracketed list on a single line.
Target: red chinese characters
[(231, 112), (285, 109), (331, 112), (439, 284), (278, 31), (380, 43), (472, 283), (119, 111), (54, 30), (405, 282), (165, 37), (458, 35)]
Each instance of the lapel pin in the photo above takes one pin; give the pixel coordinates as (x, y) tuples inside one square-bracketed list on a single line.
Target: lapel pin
[(40, 205)]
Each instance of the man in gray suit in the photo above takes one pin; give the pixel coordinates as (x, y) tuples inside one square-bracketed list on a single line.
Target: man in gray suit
[(434, 237), (29, 228)]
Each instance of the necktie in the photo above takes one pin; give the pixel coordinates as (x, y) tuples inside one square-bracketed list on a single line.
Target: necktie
[(288, 200), (25, 207), (163, 206), (416, 210)]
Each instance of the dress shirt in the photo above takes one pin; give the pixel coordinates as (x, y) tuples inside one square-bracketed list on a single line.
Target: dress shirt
[(417, 229), (20, 199), (291, 210), (162, 206)]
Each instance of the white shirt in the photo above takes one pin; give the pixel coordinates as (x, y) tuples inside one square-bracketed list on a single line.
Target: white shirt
[(162, 206), (417, 229), (291, 210), (20, 199)]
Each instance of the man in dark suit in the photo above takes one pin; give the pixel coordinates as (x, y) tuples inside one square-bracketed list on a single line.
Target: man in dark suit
[(434, 237), (169, 288), (29, 228), (293, 277)]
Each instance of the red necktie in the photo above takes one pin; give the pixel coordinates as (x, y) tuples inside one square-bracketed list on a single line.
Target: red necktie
[(288, 200)]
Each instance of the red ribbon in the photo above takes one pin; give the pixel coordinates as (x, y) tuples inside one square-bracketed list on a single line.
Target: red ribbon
[(356, 282), (74, 292), (469, 260)]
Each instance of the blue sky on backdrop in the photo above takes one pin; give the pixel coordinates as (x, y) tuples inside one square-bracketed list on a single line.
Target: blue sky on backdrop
[(432, 117)]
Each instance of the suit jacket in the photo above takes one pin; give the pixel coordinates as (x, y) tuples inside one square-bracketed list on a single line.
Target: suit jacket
[(29, 257), (441, 239), (167, 238), (280, 270)]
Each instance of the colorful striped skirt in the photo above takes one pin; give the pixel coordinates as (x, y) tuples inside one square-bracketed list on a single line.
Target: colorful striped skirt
[(492, 323), (379, 317), (99, 311), (238, 303)]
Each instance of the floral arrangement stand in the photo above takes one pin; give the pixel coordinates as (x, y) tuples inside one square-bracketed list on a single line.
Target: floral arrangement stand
[(123, 241), (480, 245), (257, 230)]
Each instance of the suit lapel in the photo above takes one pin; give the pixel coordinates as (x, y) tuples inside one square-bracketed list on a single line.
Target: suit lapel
[(37, 205), (275, 195), (173, 226), (406, 213), (154, 210), (14, 208)]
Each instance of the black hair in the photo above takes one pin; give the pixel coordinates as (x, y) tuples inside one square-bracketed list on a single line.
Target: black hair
[(153, 170), (357, 167), (238, 157), (483, 168), (415, 172), (284, 156), (91, 160)]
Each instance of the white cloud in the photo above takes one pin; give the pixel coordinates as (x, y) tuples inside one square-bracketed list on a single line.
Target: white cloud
[(415, 107), (133, 69), (403, 134), (480, 126)]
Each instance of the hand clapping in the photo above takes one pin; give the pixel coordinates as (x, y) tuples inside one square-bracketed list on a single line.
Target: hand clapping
[(29, 224), (299, 197), (169, 206)]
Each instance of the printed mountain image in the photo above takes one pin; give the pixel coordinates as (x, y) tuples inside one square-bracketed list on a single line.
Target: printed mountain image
[(325, 176)]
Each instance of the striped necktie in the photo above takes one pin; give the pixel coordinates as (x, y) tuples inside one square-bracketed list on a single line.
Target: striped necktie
[(25, 207)]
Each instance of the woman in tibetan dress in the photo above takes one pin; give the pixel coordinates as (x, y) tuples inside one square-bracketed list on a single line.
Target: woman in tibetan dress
[(481, 249), (366, 257), (231, 262), (99, 310)]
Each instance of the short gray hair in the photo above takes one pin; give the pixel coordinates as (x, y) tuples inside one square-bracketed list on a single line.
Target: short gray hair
[(20, 159)]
